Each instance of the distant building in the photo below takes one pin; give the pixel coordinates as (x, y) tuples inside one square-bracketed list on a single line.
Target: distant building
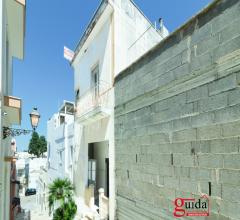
[(35, 165), (60, 140), (42, 189), (22, 166), (28, 169), (118, 34), (60, 133)]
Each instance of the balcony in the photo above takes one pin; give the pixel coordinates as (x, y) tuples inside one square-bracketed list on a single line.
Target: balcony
[(13, 109), (95, 104)]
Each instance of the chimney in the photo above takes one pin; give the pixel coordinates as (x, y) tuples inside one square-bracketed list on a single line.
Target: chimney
[(160, 25)]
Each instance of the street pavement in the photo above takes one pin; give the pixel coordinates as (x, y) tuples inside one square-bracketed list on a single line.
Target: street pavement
[(29, 202)]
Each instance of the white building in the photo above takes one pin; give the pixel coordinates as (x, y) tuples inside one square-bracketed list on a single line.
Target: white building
[(117, 35), (60, 132), (12, 32), (42, 190), (35, 165), (60, 140), (22, 166), (28, 169)]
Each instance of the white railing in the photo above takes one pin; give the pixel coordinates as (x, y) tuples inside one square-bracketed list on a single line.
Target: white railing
[(103, 204), (97, 96)]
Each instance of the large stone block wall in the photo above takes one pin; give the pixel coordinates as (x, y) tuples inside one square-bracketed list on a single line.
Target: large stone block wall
[(177, 120)]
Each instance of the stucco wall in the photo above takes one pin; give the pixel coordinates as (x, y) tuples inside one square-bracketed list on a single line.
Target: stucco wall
[(5, 89), (58, 138), (98, 52), (134, 34), (177, 121)]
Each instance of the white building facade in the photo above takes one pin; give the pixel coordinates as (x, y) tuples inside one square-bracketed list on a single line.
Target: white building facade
[(117, 36), (60, 132), (60, 140), (12, 32)]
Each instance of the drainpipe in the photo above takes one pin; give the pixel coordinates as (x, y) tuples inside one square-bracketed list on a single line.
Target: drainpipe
[(113, 47)]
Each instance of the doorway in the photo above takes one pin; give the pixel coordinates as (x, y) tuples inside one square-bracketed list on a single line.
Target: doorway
[(98, 167)]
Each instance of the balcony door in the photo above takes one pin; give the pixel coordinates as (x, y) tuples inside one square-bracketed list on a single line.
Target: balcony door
[(95, 81)]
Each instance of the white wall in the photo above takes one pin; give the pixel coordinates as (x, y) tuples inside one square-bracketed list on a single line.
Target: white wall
[(5, 89), (97, 52), (35, 165), (59, 136), (119, 38), (134, 34), (100, 153)]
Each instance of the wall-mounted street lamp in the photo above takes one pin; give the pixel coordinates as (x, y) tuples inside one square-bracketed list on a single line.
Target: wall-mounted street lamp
[(34, 118)]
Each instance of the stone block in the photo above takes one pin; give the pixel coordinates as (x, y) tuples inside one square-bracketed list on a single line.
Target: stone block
[(231, 193), (200, 147), (232, 161), (165, 79), (201, 174), (188, 185), (226, 48), (231, 129), (186, 55), (229, 209), (198, 62), (197, 93), (228, 114), (224, 84), (213, 102), (219, 23), (182, 172), (203, 119), (181, 71), (201, 34), (173, 62), (227, 145), (209, 132), (181, 147), (230, 31), (171, 182), (182, 123), (185, 135), (234, 97), (231, 177), (210, 161), (183, 160), (165, 170), (160, 138), (208, 44)]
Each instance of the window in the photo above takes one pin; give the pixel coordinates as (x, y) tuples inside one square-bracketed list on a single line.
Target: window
[(60, 158), (71, 155), (91, 172), (49, 150), (62, 119), (95, 80)]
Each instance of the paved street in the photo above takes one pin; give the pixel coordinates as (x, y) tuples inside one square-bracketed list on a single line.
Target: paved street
[(29, 202)]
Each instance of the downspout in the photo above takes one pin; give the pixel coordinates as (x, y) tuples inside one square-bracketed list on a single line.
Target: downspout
[(113, 48)]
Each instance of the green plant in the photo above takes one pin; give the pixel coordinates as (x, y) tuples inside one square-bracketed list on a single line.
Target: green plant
[(61, 191), (37, 145), (67, 211)]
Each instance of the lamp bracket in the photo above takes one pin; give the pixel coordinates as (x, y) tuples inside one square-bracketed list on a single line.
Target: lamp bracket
[(14, 132)]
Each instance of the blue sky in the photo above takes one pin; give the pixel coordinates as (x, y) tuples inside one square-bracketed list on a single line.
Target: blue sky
[(44, 79)]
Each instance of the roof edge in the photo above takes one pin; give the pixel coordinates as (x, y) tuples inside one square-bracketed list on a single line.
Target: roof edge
[(180, 33), (97, 14)]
